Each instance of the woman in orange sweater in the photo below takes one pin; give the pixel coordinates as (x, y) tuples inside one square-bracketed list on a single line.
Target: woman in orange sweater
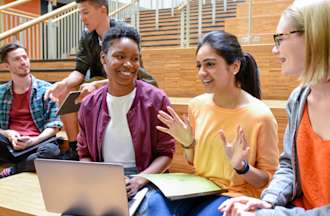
[(231, 135)]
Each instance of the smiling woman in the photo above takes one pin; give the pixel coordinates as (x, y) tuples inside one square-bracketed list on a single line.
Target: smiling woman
[(121, 62), (118, 121), (221, 59), (289, 45), (231, 136)]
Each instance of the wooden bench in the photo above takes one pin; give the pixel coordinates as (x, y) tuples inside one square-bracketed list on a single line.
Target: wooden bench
[(20, 195)]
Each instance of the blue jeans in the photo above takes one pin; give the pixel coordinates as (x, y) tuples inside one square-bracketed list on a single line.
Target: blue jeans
[(156, 204), (25, 163)]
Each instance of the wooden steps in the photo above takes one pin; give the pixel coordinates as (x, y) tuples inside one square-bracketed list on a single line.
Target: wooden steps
[(260, 24), (174, 69), (50, 70), (175, 31), (265, 16), (263, 8), (168, 34)]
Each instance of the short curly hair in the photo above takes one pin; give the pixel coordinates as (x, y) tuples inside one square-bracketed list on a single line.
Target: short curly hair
[(118, 32)]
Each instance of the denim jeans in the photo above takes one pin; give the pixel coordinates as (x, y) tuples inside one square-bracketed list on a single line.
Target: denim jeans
[(25, 163), (155, 203)]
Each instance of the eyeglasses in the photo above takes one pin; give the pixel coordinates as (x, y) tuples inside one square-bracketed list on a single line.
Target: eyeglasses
[(277, 37)]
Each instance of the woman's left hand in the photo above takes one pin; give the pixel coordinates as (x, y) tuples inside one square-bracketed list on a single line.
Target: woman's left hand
[(238, 150), (134, 184)]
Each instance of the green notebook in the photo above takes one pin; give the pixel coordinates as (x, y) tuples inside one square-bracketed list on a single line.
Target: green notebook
[(182, 185)]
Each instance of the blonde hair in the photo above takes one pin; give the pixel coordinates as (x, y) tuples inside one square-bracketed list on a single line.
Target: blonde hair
[(314, 18)]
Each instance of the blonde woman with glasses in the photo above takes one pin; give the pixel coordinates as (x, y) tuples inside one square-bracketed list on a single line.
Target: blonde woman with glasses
[(301, 185)]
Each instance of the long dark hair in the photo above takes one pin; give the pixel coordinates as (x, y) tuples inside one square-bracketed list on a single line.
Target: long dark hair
[(227, 46)]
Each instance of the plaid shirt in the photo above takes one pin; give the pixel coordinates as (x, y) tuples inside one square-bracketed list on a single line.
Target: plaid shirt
[(43, 111)]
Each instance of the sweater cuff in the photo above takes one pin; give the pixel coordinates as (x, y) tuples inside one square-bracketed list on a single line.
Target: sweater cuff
[(270, 198), (265, 212)]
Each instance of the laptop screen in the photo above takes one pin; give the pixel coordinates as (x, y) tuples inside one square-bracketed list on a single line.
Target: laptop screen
[(83, 188)]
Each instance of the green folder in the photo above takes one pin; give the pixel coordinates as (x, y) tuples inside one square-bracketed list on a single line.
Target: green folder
[(182, 185)]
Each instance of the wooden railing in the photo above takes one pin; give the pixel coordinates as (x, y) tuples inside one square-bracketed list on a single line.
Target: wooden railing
[(53, 35), (56, 34), (13, 4), (185, 18), (37, 34)]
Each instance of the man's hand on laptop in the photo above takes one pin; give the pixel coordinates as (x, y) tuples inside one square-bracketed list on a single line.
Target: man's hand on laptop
[(134, 184)]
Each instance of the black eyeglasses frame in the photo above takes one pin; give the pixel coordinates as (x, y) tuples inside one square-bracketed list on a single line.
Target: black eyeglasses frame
[(276, 36)]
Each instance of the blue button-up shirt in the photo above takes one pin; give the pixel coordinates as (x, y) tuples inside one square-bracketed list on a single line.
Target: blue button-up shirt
[(43, 111)]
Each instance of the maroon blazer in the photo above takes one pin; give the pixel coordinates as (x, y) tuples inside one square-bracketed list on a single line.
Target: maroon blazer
[(149, 143)]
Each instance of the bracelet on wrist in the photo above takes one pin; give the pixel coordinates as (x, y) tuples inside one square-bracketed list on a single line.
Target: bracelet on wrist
[(245, 168)]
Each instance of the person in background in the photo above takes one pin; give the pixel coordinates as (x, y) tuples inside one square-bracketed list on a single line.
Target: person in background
[(231, 135), (94, 15), (26, 119), (301, 184)]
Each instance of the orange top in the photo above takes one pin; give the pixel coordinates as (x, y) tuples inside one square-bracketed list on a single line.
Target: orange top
[(314, 166), (210, 159)]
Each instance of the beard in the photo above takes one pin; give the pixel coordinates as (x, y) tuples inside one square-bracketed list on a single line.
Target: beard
[(22, 73)]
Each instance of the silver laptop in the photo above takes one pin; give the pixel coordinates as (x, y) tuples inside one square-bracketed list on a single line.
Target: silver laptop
[(85, 188)]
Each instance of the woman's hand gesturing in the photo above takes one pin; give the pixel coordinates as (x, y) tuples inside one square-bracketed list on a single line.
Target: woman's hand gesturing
[(176, 127), (238, 150)]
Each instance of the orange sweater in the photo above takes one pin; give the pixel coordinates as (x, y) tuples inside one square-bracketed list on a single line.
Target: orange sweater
[(210, 160), (314, 166)]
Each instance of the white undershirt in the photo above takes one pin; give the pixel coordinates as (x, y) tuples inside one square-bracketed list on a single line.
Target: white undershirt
[(117, 144)]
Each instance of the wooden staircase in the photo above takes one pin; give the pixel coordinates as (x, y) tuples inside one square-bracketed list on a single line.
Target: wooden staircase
[(168, 34), (174, 67)]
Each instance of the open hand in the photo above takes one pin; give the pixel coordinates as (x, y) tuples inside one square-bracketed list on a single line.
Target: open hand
[(177, 128), (57, 91), (237, 150)]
